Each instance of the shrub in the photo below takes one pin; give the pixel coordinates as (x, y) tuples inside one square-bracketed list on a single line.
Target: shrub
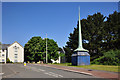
[(8, 60), (111, 57)]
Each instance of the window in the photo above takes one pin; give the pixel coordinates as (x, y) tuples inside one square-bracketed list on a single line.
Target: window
[(3, 55), (15, 49), (15, 61), (3, 60), (15, 56)]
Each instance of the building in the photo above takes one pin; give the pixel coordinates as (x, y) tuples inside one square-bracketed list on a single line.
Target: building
[(13, 52), (3, 56), (3, 52)]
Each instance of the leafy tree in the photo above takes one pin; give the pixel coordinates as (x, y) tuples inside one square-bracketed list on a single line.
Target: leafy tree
[(92, 28), (112, 28), (62, 55), (0, 46), (32, 49), (52, 49), (98, 35), (35, 49)]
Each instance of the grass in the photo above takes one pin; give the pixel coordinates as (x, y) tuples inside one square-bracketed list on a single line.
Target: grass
[(95, 67)]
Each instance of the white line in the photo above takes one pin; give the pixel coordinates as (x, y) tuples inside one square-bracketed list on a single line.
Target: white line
[(72, 71), (41, 69), (54, 74), (60, 75), (51, 74), (1, 73)]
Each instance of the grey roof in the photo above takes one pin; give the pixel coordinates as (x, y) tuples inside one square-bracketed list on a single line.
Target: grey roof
[(81, 54), (4, 46)]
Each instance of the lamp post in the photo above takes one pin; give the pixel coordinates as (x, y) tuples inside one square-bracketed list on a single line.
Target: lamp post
[(46, 48)]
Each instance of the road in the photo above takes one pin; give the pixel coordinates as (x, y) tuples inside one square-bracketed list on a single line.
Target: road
[(37, 71)]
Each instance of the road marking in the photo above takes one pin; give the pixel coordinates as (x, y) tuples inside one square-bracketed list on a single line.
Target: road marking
[(1, 73), (53, 74), (34, 69), (41, 69), (60, 75), (86, 73), (48, 73)]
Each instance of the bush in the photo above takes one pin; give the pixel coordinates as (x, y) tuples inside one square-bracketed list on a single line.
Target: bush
[(111, 57), (8, 60), (55, 63)]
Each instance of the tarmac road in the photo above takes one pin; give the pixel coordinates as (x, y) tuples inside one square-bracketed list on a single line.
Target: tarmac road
[(37, 71)]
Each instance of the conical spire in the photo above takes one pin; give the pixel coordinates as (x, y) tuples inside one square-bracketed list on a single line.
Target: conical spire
[(80, 47), (80, 34)]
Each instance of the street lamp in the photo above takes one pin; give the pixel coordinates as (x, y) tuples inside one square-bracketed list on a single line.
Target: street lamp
[(46, 48)]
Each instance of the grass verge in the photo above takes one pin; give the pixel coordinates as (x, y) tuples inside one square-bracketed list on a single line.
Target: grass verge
[(94, 67)]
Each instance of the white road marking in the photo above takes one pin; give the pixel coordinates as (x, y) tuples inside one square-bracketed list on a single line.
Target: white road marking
[(54, 74), (35, 69), (71, 70), (41, 69), (48, 73), (51, 74), (1, 73), (60, 75)]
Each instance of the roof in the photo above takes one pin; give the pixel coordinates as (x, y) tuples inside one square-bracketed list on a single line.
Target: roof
[(16, 42), (4, 46)]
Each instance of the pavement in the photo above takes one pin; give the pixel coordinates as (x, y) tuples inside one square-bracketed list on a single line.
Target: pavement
[(96, 73)]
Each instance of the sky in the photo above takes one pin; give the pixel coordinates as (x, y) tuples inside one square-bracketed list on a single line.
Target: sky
[(23, 20)]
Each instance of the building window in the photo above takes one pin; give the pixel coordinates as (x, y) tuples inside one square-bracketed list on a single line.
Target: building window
[(15, 61), (15, 49), (3, 55), (3, 60), (15, 56)]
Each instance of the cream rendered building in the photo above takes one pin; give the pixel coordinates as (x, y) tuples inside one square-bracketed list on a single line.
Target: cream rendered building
[(3, 56), (15, 53)]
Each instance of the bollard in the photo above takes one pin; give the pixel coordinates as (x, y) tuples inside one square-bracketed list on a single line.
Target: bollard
[(24, 63)]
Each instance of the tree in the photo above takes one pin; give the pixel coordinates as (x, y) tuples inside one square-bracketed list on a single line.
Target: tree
[(112, 28), (92, 28), (98, 35), (0, 45), (35, 49), (52, 49)]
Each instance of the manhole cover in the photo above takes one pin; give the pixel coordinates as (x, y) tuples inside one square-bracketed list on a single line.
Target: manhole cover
[(89, 70)]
